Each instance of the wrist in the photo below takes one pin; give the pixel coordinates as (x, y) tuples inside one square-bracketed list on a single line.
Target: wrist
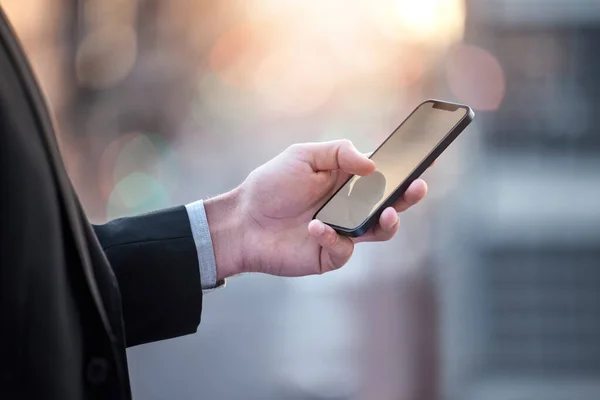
[(224, 223)]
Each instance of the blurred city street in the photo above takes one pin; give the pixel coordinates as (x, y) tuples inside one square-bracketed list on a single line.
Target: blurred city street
[(491, 291)]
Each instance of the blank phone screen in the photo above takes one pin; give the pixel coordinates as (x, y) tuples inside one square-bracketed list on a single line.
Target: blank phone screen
[(395, 160)]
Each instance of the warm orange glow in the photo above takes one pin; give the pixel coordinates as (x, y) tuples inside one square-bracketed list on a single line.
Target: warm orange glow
[(475, 77), (357, 33), (32, 20), (293, 82), (435, 22), (293, 54), (411, 65), (267, 9), (239, 52)]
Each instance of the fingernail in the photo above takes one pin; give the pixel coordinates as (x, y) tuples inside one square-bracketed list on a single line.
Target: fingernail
[(320, 228)]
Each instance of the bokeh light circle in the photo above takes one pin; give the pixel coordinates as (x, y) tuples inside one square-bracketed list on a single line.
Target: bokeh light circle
[(434, 22), (106, 176), (136, 193), (295, 81), (238, 53), (138, 154), (266, 9), (475, 77), (137, 171), (106, 56), (216, 100)]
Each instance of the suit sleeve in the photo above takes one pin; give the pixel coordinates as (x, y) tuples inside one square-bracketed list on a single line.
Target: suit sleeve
[(155, 261)]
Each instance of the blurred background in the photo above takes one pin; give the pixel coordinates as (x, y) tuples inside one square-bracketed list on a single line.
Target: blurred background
[(492, 288)]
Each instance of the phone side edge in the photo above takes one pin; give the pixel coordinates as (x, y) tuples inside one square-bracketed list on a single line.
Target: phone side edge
[(440, 148), (348, 232), (421, 168)]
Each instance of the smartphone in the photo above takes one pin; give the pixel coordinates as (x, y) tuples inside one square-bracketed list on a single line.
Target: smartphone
[(399, 160)]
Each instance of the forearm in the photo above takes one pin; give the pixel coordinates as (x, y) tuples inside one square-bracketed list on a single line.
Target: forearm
[(165, 259)]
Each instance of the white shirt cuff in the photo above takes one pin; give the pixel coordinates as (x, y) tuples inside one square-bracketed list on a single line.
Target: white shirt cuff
[(204, 246)]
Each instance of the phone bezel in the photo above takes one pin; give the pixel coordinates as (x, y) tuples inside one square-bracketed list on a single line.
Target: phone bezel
[(370, 221)]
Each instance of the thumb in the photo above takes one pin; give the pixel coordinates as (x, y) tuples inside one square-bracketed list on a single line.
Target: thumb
[(337, 154)]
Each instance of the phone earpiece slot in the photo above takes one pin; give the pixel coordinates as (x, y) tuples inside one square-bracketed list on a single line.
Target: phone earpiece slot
[(445, 106)]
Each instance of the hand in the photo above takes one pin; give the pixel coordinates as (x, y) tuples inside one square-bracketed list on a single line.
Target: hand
[(265, 224)]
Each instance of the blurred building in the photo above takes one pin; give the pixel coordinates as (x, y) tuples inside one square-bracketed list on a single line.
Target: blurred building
[(519, 253)]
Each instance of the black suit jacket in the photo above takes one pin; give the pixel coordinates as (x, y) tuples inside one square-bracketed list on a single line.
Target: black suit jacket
[(73, 296)]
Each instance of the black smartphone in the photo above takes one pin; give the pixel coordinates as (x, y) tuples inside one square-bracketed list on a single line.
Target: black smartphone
[(400, 159)]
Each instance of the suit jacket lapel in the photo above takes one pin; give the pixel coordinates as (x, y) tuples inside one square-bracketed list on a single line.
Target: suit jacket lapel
[(44, 121)]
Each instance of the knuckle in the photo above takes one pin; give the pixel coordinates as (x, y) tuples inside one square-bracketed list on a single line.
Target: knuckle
[(293, 148), (347, 143), (300, 150)]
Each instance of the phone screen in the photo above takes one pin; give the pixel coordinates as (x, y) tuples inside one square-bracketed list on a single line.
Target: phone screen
[(404, 150)]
